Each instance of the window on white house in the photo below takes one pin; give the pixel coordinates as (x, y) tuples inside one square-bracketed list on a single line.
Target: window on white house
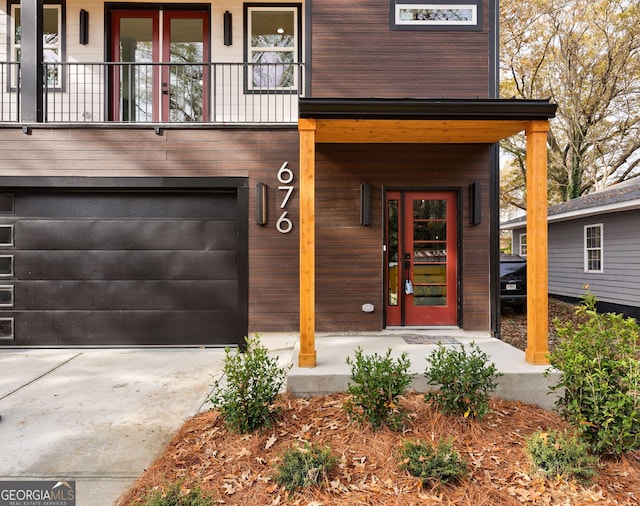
[(52, 39), (523, 245), (593, 248), (273, 47)]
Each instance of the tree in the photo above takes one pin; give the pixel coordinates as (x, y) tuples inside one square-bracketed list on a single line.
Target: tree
[(584, 56)]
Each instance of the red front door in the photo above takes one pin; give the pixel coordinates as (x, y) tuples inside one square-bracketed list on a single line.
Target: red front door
[(421, 258), (160, 72)]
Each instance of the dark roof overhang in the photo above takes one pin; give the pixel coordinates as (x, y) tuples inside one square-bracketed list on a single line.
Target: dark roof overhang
[(426, 109), (373, 120)]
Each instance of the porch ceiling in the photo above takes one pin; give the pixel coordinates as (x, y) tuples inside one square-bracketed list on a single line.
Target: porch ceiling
[(419, 121)]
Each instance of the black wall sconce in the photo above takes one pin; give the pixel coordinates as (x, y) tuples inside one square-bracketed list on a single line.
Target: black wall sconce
[(475, 209), (261, 204), (84, 27), (365, 204), (228, 35)]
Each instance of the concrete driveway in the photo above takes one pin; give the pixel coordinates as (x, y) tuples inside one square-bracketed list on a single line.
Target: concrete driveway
[(99, 417)]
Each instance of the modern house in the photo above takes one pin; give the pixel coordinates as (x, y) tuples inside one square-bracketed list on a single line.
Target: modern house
[(184, 173), (593, 240)]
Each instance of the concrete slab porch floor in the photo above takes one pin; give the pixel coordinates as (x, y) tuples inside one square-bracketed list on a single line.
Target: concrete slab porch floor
[(521, 381)]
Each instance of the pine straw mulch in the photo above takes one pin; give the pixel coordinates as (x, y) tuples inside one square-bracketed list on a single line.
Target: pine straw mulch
[(238, 469)]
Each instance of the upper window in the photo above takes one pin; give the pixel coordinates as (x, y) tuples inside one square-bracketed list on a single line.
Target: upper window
[(52, 39), (442, 15), (523, 245), (273, 46), (593, 248)]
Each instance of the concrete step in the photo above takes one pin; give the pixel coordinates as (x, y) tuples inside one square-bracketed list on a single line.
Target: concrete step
[(521, 381)]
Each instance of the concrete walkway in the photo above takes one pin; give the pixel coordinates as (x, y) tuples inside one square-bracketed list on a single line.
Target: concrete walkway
[(98, 417), (101, 417)]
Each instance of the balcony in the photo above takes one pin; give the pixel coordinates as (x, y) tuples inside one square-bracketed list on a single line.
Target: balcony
[(160, 93)]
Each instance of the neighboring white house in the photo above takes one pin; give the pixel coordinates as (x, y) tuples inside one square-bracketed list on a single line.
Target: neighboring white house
[(593, 240)]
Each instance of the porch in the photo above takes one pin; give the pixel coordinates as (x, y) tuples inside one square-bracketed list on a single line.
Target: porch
[(521, 381)]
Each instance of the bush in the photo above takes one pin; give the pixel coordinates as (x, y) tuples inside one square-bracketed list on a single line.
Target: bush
[(253, 383), (378, 384), (442, 464), (466, 380), (599, 369), (304, 467), (176, 496), (556, 453)]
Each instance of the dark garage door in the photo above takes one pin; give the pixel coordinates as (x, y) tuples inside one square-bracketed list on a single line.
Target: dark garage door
[(98, 267)]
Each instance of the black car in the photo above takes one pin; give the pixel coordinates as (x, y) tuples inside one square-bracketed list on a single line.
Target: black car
[(513, 281)]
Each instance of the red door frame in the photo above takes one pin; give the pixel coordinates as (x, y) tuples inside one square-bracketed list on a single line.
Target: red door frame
[(401, 266), (116, 16), (160, 100), (168, 15)]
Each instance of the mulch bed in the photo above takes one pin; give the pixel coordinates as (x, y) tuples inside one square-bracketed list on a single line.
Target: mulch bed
[(237, 469)]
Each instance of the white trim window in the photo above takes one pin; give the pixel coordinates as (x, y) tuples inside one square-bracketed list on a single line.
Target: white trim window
[(593, 248), (51, 40), (273, 47), (523, 245)]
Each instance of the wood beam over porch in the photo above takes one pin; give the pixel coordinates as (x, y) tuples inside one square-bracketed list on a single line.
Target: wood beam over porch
[(430, 122)]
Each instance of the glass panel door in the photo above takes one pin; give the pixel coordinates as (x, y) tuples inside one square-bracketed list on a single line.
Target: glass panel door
[(421, 278), (162, 74), (135, 45), (184, 83)]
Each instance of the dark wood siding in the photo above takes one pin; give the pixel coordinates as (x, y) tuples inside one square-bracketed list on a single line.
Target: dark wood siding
[(349, 265), (256, 154), (355, 54), (349, 256)]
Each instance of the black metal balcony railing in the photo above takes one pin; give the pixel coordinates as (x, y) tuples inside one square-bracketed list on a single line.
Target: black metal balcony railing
[(9, 92), (161, 92)]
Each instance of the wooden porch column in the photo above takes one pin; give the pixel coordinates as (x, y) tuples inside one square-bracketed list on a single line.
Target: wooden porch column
[(307, 355), (537, 244)]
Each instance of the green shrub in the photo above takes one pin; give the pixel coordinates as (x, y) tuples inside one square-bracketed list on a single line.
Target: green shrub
[(556, 453), (253, 383), (175, 496), (442, 464), (304, 467), (465, 380), (599, 369), (378, 382)]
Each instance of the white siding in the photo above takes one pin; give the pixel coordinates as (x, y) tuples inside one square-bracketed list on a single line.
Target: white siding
[(230, 103)]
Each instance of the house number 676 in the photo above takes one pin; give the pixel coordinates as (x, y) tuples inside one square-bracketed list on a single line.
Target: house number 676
[(285, 177)]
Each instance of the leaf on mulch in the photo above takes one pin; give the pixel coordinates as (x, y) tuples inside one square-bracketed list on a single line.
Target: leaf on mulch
[(238, 469)]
